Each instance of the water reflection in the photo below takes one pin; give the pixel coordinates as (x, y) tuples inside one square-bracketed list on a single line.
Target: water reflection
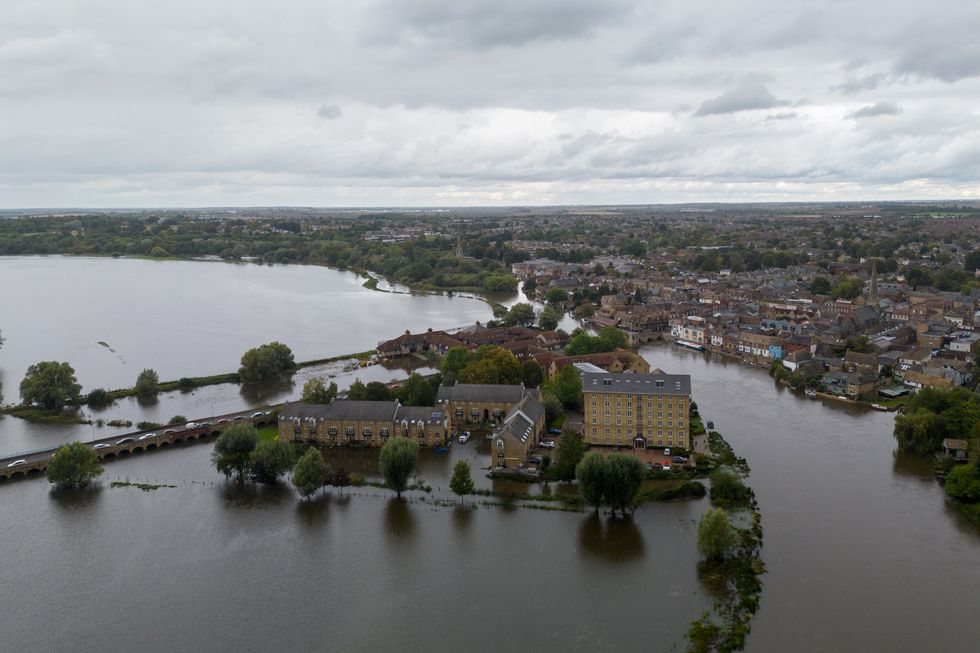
[(264, 393), (76, 500), (254, 495), (399, 520), (463, 519), (617, 540), (147, 401), (313, 512), (906, 464)]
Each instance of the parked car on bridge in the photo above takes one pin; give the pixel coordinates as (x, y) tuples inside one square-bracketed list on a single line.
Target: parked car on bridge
[(126, 440), (147, 436), (101, 445), (17, 462), (191, 425), (258, 414)]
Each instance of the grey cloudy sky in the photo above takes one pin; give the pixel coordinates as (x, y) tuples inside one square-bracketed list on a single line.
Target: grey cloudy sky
[(425, 102)]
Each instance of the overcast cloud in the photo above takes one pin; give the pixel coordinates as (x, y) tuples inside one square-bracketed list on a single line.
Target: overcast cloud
[(390, 102)]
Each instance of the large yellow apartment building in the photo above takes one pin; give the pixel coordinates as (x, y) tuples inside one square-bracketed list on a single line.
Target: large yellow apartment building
[(637, 410)]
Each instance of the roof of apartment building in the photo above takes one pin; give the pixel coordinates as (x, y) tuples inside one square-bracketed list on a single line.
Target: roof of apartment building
[(378, 411), (482, 392), (656, 382), (342, 409)]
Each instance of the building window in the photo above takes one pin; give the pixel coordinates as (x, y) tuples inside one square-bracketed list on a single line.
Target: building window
[(474, 411), (332, 431), (350, 431), (384, 432), (367, 432)]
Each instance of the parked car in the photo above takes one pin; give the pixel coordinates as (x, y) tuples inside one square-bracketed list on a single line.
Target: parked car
[(258, 414), (17, 462), (649, 467), (222, 421), (679, 459), (464, 437), (667, 451), (191, 425), (657, 467), (169, 432), (534, 460), (101, 445), (666, 467), (238, 417), (554, 431), (147, 436), (548, 444), (125, 441)]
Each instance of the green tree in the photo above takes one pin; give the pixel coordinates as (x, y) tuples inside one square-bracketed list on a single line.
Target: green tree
[(50, 385), (715, 535), (416, 391), (591, 474), (456, 359), (531, 373), (462, 482), (552, 406), (624, 475), (728, 490), (73, 466), (146, 383), (963, 483), (494, 366), (520, 314), (820, 286), (570, 450), (556, 296), (548, 319), (266, 363), (972, 261), (311, 472), (177, 419), (316, 391), (566, 384), (397, 462), (270, 460), (847, 288), (233, 450)]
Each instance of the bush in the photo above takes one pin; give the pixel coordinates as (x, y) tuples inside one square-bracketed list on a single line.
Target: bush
[(147, 426), (728, 490), (963, 483), (177, 419), (97, 397), (185, 384)]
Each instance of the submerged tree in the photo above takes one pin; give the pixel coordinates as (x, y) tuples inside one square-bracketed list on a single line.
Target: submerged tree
[(270, 460), (715, 535), (233, 450), (462, 482), (311, 472), (591, 476), (73, 466), (147, 382), (397, 461)]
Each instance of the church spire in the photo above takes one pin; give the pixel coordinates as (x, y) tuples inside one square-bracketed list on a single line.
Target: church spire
[(873, 291)]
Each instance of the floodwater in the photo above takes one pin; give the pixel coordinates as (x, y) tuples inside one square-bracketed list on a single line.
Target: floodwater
[(862, 552)]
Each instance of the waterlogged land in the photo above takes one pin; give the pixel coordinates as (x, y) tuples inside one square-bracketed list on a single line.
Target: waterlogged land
[(860, 549)]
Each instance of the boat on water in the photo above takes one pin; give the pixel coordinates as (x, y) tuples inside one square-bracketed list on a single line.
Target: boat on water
[(689, 345), (879, 407), (810, 392)]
